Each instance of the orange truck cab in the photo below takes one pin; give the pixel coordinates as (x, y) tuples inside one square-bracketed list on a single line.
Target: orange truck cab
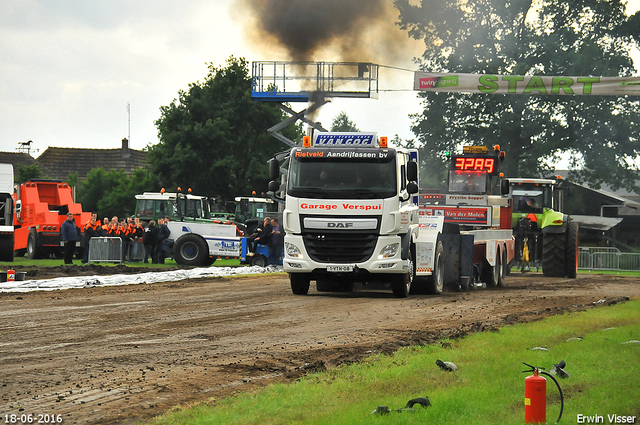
[(41, 206)]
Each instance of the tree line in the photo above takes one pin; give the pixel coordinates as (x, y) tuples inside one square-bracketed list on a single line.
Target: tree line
[(213, 136)]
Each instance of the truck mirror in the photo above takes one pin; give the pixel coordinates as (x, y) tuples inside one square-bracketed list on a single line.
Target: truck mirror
[(274, 186), (412, 187), (412, 171), (244, 205), (274, 169), (504, 187)]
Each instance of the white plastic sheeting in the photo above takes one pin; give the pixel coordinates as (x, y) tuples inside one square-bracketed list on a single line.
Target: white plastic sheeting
[(131, 279)]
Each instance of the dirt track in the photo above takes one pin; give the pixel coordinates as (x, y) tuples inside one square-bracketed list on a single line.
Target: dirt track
[(122, 354)]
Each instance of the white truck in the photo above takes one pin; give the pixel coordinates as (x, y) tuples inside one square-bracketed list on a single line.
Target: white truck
[(6, 212), (352, 215)]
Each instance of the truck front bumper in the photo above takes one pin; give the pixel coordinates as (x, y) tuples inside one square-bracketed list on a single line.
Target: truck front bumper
[(297, 260)]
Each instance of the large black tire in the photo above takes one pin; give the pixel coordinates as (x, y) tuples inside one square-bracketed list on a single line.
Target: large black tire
[(6, 248), (435, 282), (401, 283), (33, 250), (299, 283), (554, 254), (191, 250), (572, 249)]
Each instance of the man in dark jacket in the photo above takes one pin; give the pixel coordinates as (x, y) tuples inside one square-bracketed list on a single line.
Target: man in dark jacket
[(149, 241), (163, 234), (275, 242), (69, 236)]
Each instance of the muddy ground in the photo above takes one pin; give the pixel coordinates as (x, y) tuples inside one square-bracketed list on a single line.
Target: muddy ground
[(123, 354)]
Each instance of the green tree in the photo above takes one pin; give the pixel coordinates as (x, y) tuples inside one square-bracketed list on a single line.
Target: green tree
[(27, 172), (526, 37), (214, 138), (112, 192), (342, 123)]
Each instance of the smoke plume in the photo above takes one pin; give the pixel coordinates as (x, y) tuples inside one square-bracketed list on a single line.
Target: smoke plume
[(328, 30)]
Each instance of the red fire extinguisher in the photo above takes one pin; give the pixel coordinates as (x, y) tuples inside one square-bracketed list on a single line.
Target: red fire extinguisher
[(535, 396), (11, 275)]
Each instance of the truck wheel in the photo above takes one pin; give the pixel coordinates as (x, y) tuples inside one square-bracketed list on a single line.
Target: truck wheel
[(259, 260), (491, 275), (6, 248), (191, 250), (299, 283), (503, 267), (554, 249), (33, 250), (401, 283), (435, 282), (210, 261), (572, 249)]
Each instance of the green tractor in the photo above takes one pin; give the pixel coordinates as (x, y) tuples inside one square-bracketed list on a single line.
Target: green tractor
[(544, 235)]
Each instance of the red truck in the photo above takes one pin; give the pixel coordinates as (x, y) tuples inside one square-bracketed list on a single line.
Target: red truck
[(41, 206)]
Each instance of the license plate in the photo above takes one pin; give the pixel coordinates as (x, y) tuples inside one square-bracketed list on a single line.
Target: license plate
[(339, 269)]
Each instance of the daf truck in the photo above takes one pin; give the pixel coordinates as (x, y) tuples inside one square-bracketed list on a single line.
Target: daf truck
[(350, 214)]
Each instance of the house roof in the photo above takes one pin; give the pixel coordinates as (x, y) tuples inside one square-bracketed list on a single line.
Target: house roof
[(18, 159), (64, 161)]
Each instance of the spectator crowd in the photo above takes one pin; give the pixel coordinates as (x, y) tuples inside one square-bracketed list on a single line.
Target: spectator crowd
[(133, 234)]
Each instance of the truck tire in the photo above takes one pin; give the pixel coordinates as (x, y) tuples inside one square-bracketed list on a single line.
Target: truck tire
[(259, 260), (299, 283), (191, 250), (435, 282), (33, 250), (493, 275), (401, 283), (504, 267), (572, 249), (554, 251), (6, 248)]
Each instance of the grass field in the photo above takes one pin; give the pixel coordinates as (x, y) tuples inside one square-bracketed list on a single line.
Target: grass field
[(488, 388)]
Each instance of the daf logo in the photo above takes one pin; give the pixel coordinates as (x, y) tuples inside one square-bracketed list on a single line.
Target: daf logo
[(340, 225)]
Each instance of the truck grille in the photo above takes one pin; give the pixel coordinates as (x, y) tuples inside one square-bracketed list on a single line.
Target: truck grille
[(343, 247)]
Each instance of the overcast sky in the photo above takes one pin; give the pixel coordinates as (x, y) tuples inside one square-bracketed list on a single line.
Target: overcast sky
[(70, 67)]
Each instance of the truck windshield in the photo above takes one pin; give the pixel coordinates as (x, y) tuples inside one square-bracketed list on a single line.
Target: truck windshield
[(344, 174), (467, 182), (530, 197)]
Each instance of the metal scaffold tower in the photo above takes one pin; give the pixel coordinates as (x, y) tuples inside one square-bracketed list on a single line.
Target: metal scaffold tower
[(312, 82)]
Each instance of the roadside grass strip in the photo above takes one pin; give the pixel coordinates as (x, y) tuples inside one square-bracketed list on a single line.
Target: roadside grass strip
[(488, 388)]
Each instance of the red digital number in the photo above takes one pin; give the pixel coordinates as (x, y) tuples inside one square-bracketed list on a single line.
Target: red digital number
[(489, 163), (475, 164)]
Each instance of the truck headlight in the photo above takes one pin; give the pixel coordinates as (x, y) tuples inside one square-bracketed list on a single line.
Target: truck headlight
[(389, 251), (292, 250)]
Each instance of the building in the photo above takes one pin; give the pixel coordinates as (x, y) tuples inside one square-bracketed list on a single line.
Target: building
[(59, 163)]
